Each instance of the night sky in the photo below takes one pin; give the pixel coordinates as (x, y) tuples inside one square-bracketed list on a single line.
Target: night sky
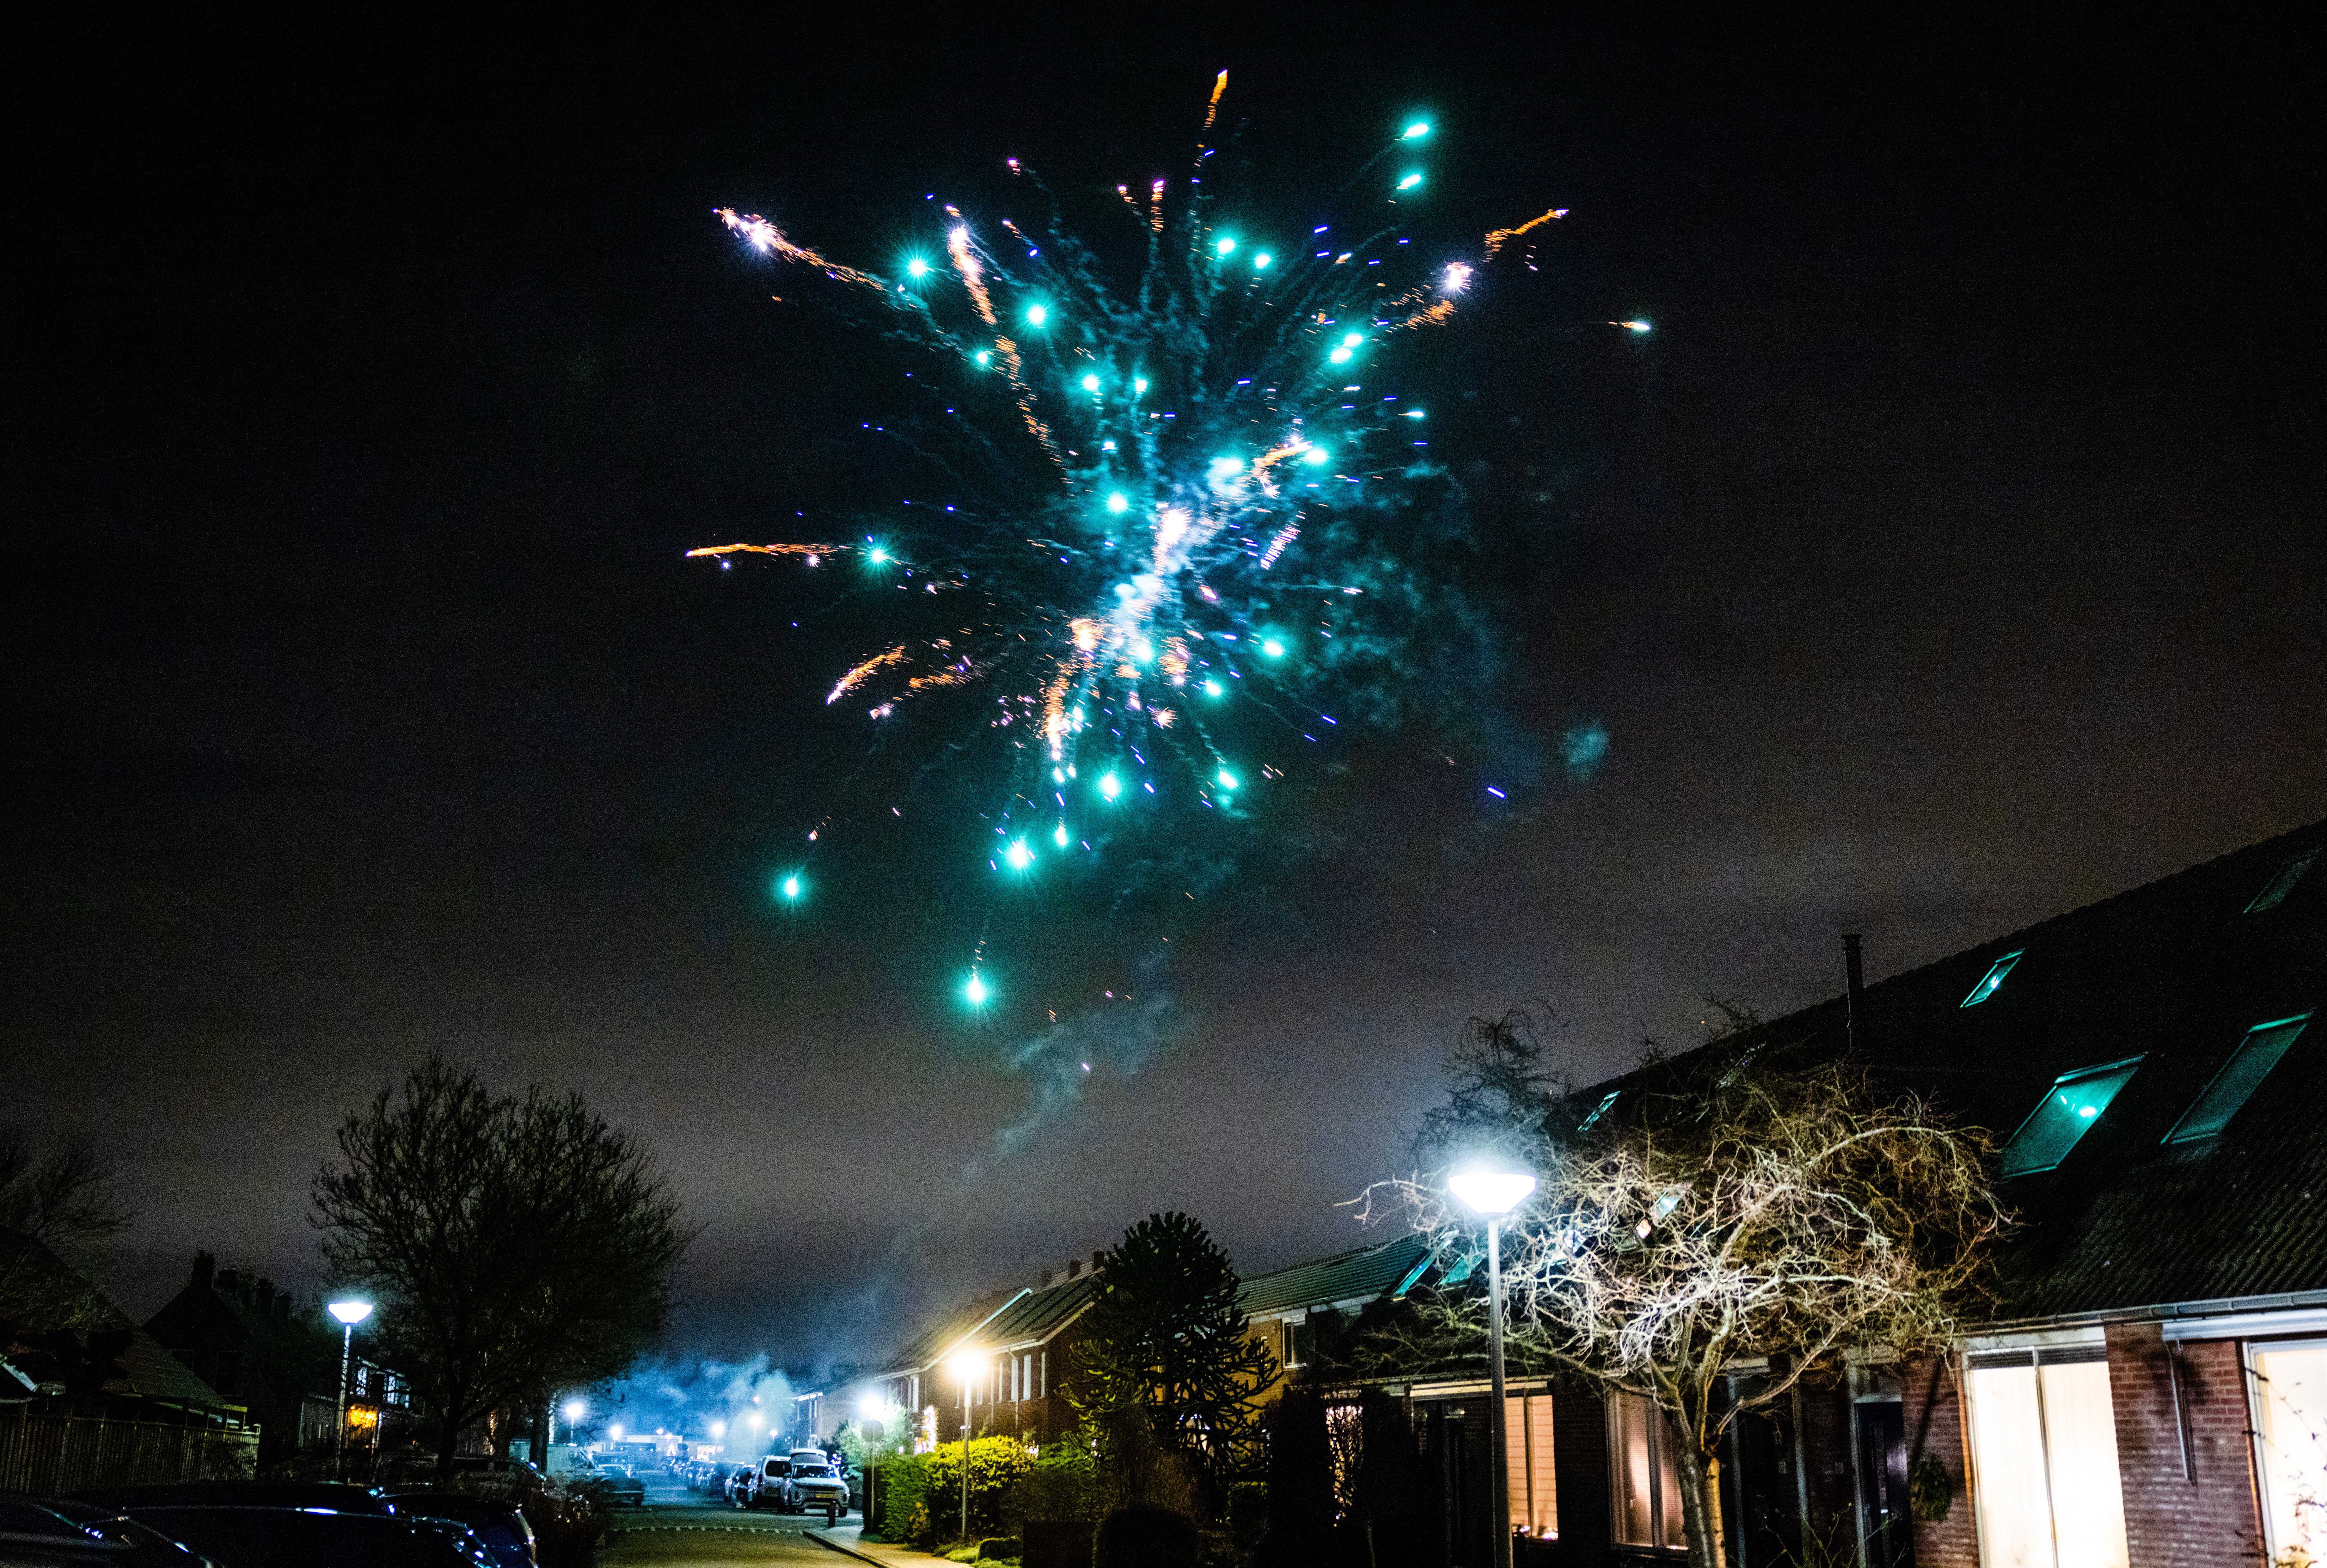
[(1950, 555)]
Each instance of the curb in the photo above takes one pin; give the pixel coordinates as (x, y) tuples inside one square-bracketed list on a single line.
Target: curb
[(821, 1539)]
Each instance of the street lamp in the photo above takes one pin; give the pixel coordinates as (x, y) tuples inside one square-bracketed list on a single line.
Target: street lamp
[(349, 1314), (1495, 1193), (575, 1410), (966, 1365)]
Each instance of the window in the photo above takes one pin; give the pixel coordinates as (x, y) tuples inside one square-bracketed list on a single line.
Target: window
[(1526, 1455), (2290, 1421), (2281, 882), (2043, 1447), (1647, 1493), (2070, 1108), (2249, 1065), (1598, 1111), (1991, 982)]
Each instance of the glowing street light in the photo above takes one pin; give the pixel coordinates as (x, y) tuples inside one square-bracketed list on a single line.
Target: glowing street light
[(350, 1312), (1495, 1193), (965, 1364)]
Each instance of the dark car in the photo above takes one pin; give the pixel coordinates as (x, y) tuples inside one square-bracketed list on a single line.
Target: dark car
[(503, 1528), (338, 1497), (243, 1537), (52, 1533)]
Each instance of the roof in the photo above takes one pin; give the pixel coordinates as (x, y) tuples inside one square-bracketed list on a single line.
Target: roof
[(926, 1349), (1035, 1317), (1347, 1279), (57, 1298), (2172, 974)]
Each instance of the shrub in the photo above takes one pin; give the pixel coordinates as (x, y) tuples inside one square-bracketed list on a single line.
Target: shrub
[(997, 1466), (1248, 1512), (1144, 1536), (903, 1483), (1062, 1484)]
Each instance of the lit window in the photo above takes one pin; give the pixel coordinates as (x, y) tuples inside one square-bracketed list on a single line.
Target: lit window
[(2043, 1450), (2282, 882), (1647, 1493), (1991, 982), (2073, 1104), (2249, 1065), (1598, 1111), (1527, 1440), (2290, 1396)]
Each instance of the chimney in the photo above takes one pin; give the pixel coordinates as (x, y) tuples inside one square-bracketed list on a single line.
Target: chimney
[(1046, 1281), (265, 1296), (1854, 975), (230, 1284), (205, 1270), (1074, 1267)]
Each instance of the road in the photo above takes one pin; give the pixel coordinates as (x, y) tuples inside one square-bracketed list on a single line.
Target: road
[(677, 1525)]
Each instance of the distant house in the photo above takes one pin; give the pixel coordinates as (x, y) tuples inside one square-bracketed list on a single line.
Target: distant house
[(86, 1397), (1019, 1343), (1291, 1311), (246, 1338)]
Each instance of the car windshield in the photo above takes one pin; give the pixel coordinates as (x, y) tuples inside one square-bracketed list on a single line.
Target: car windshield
[(810, 1461), (778, 1467)]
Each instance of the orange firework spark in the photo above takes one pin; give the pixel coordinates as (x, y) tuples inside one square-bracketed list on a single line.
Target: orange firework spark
[(862, 672), (811, 551), (768, 239), (1212, 109), (973, 275), (1497, 239)]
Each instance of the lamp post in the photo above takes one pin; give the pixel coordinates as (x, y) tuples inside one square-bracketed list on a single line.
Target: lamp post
[(1495, 1193), (575, 1411), (349, 1314), (965, 1364)]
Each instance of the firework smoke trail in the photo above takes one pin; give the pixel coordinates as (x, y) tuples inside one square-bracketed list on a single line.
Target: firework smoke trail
[(1188, 575)]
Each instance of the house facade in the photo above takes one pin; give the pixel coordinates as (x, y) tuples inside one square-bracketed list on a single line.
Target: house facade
[(2152, 1390)]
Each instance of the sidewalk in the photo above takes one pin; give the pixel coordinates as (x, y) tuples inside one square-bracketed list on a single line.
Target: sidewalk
[(849, 1539)]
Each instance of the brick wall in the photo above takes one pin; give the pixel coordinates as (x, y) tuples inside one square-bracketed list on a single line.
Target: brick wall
[(1579, 1448), (1933, 1401), (2173, 1520)]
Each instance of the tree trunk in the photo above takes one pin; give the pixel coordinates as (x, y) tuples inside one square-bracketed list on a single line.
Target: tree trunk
[(1700, 1504)]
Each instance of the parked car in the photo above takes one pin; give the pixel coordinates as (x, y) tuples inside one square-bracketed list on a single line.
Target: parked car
[(54, 1532), (502, 1526), (248, 1538), (622, 1486), (804, 1481), (338, 1497)]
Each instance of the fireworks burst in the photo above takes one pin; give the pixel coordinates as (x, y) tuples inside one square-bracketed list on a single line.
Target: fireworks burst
[(1173, 544)]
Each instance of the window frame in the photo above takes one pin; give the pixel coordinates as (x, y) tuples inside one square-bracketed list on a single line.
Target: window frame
[(2283, 882), (2175, 1134), (2036, 1356), (2130, 1064), (2252, 1376), (1657, 1433), (1992, 981)]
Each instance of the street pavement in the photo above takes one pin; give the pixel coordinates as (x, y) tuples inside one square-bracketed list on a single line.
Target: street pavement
[(677, 1525)]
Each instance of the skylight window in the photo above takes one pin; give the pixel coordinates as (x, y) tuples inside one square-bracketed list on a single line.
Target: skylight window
[(2239, 1077), (2073, 1104), (2283, 882), (1991, 982), (1598, 1111)]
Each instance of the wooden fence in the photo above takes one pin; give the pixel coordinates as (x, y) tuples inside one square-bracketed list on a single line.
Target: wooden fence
[(51, 1455)]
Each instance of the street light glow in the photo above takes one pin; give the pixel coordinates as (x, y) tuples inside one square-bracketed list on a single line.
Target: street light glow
[(1492, 1193), (350, 1312), (576, 1410)]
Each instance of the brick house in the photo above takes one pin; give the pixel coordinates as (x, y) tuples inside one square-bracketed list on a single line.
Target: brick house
[(2153, 1390), (1021, 1340)]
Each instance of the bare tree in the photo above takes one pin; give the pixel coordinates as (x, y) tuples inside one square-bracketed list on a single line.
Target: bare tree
[(518, 1247), (1727, 1209), (59, 1193)]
